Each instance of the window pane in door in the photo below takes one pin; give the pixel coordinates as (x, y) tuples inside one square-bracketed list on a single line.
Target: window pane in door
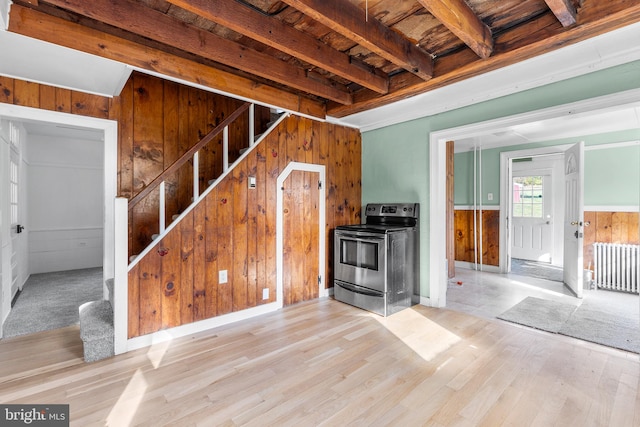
[(527, 197)]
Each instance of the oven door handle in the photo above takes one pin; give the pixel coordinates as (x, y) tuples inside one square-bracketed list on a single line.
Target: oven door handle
[(363, 237), (359, 289)]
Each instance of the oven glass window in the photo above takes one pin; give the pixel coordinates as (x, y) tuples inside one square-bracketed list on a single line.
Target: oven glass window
[(358, 253)]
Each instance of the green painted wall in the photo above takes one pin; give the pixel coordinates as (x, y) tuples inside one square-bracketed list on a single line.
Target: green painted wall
[(395, 159), (611, 175)]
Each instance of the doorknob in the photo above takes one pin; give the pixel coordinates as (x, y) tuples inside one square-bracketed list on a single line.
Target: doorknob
[(574, 222), (19, 228), (587, 223)]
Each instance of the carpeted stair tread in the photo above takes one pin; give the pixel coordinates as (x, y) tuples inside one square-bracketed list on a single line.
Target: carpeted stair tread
[(96, 320), (96, 330)]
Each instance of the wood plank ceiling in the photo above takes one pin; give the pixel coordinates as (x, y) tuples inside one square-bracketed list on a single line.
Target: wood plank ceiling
[(320, 57)]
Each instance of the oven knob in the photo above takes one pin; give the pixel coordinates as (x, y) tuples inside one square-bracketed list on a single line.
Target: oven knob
[(405, 209)]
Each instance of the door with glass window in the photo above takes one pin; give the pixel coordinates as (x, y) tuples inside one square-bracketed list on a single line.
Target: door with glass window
[(531, 213)]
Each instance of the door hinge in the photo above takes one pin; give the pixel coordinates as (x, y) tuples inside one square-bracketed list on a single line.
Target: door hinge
[(319, 280), (319, 185)]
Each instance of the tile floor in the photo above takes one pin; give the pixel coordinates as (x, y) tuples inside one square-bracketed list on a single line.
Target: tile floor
[(490, 294)]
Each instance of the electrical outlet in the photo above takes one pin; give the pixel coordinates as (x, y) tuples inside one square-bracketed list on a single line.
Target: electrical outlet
[(222, 276), (265, 293), (490, 196)]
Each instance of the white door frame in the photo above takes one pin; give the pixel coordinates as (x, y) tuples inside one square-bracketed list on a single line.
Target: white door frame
[(305, 167), (110, 130), (438, 178)]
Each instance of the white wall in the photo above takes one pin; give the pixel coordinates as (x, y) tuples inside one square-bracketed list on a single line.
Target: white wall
[(66, 203)]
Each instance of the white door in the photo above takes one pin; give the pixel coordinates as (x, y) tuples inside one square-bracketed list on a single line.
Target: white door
[(574, 218), (531, 214), (16, 214)]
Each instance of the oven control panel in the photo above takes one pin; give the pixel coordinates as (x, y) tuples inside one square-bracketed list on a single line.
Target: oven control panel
[(407, 210)]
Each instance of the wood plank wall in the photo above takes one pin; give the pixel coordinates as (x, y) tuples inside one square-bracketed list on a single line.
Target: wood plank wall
[(159, 121), (28, 94), (233, 229), (609, 227), (464, 236), (605, 227)]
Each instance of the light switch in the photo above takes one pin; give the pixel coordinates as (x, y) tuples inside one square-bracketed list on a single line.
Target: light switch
[(489, 196)]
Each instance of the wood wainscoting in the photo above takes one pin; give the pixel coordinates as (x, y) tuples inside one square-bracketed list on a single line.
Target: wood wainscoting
[(463, 226), (609, 227), (605, 227)]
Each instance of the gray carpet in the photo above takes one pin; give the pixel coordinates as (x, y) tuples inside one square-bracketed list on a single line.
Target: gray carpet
[(586, 322), (592, 324), (540, 270), (51, 301), (539, 313)]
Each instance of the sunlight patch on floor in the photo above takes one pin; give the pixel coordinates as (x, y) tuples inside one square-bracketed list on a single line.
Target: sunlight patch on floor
[(536, 288), (423, 336), (127, 405), (156, 353)]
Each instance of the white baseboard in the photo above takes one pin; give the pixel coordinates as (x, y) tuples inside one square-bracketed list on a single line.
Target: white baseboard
[(200, 326), (483, 267)]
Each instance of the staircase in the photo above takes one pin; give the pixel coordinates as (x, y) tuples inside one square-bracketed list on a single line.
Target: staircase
[(96, 327), (97, 317)]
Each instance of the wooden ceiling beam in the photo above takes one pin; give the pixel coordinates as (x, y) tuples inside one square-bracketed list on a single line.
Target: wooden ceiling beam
[(347, 19), (34, 24), (564, 11), (146, 22), (460, 19), (277, 34), (537, 37)]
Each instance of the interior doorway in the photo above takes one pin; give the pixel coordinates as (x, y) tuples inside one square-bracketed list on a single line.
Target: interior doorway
[(107, 130)]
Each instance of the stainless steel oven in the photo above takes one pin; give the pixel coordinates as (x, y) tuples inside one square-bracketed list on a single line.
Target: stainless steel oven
[(376, 263)]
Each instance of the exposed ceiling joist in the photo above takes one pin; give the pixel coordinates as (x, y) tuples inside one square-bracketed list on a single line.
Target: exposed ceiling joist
[(351, 21), (45, 27), (564, 11), (281, 36), (458, 17), (534, 38), (134, 17)]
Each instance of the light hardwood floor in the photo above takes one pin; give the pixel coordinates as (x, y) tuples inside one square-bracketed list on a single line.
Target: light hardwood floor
[(326, 363)]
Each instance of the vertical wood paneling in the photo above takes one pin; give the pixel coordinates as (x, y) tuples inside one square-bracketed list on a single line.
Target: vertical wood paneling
[(171, 143), (188, 282), (238, 270), (252, 230), (171, 281), (149, 312), (211, 247), (133, 300), (26, 94), (63, 102), (89, 105), (200, 262), (603, 228), (464, 236), (261, 223), (7, 90), (224, 236), (156, 122), (450, 233), (609, 227), (273, 170), (47, 97)]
